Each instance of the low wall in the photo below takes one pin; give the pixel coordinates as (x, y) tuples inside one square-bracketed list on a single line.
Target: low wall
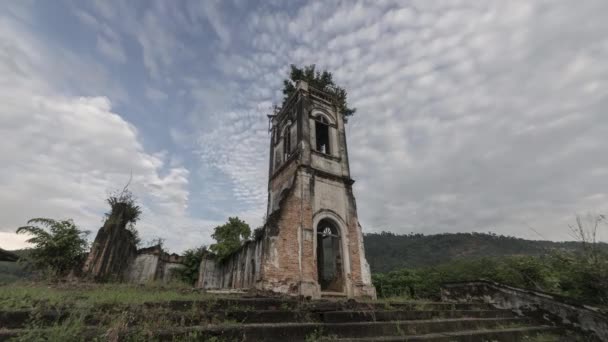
[(544, 306), (169, 271), (152, 264), (239, 270), (143, 269)]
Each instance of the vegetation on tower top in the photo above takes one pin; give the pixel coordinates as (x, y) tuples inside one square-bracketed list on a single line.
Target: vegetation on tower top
[(319, 80)]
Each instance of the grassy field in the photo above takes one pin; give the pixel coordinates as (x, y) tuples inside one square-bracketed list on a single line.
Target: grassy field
[(25, 295), (97, 312)]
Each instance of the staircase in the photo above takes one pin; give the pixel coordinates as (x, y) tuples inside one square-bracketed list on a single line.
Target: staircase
[(277, 319)]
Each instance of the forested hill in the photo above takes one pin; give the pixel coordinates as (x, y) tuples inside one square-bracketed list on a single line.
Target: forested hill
[(387, 251)]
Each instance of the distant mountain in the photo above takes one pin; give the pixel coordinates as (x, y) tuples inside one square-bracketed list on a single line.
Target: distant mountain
[(11, 271), (387, 251), (7, 256)]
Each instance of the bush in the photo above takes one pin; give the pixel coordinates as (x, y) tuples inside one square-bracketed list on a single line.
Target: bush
[(192, 260), (229, 237), (58, 250), (564, 273)]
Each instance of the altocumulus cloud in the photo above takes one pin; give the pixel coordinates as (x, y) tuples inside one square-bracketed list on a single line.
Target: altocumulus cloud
[(472, 116)]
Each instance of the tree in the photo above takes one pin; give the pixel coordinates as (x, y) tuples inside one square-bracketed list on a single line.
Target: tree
[(229, 236), (57, 250), (319, 80), (191, 260), (585, 232)]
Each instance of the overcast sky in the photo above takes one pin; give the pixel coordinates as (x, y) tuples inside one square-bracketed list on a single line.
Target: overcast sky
[(472, 115)]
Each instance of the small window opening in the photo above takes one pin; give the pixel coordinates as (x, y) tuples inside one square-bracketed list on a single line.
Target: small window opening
[(322, 135), (286, 142)]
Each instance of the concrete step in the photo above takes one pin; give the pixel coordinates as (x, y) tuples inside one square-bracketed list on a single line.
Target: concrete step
[(306, 331), (20, 318), (404, 315), (317, 305), (428, 306), (519, 334)]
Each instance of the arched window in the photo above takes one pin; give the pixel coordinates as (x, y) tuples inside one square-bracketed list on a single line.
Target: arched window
[(322, 134)]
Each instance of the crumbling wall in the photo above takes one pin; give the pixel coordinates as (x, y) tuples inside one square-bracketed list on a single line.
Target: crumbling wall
[(112, 252), (237, 271), (544, 306), (153, 264), (144, 268)]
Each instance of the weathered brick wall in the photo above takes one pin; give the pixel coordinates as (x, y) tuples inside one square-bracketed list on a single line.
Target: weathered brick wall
[(304, 185)]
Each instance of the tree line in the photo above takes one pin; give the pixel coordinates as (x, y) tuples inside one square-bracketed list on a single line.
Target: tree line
[(576, 269)]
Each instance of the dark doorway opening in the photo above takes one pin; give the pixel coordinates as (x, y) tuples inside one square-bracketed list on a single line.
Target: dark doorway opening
[(329, 257)]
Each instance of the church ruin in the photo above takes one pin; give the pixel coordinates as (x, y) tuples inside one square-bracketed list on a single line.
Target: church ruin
[(312, 244)]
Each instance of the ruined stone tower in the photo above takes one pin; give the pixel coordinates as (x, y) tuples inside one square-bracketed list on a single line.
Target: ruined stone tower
[(312, 215), (312, 243)]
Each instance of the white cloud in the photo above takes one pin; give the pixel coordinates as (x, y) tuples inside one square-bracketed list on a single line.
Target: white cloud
[(210, 11), (472, 116), (62, 153), (12, 241)]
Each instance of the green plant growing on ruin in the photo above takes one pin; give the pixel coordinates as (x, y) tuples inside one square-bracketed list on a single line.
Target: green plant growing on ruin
[(319, 80), (124, 211), (191, 260), (314, 336), (59, 246), (229, 237)]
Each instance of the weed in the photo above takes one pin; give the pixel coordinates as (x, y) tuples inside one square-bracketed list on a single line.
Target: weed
[(314, 336), (71, 329)]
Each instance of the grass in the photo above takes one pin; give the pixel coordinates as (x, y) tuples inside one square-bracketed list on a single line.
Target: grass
[(29, 295), (116, 310)]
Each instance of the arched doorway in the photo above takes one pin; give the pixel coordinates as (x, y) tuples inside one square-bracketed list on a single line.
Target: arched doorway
[(329, 257)]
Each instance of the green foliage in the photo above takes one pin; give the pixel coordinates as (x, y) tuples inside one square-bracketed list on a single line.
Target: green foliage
[(564, 273), (15, 271), (319, 80), (386, 251), (123, 206), (124, 211), (57, 250), (192, 260), (229, 236), (258, 233), (70, 329)]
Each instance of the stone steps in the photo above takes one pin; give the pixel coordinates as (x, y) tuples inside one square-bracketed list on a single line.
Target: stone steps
[(321, 305), (550, 334), (276, 319), (401, 315), (306, 331), (20, 318)]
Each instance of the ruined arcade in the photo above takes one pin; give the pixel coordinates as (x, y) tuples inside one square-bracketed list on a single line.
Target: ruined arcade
[(312, 244)]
